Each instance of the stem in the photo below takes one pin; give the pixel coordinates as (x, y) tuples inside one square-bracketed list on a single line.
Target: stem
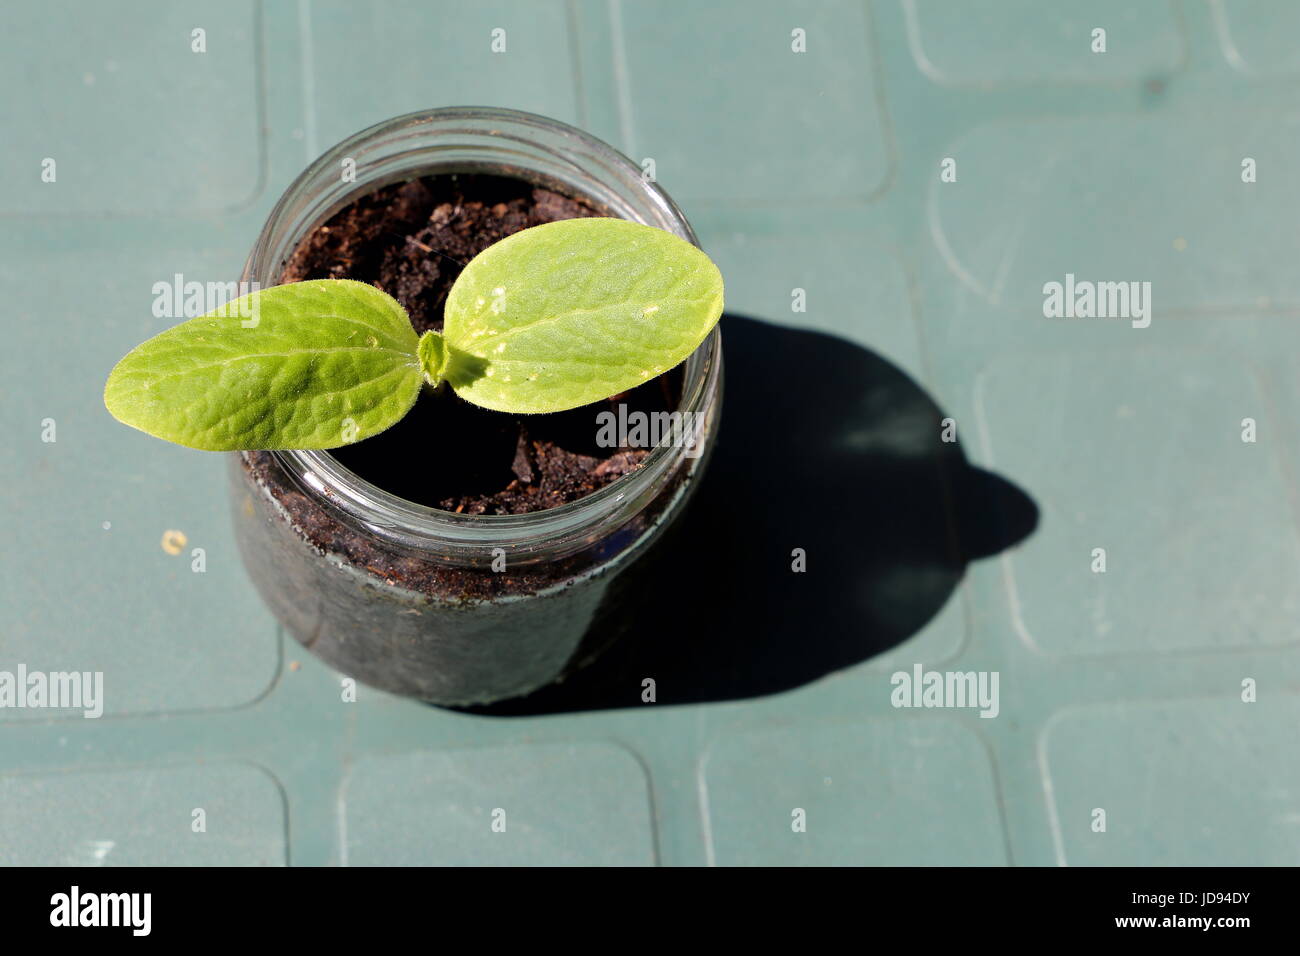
[(432, 352)]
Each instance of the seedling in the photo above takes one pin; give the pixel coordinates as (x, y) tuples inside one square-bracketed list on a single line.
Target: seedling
[(551, 318)]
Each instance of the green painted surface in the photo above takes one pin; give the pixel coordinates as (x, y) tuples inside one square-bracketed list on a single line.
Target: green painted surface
[(567, 804), (816, 171)]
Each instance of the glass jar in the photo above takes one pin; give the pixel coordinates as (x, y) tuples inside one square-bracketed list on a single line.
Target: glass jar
[(456, 609)]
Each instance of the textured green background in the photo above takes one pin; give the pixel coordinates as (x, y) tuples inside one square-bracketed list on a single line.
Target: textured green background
[(817, 171)]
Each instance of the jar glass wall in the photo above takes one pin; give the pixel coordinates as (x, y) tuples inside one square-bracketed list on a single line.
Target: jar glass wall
[(485, 607)]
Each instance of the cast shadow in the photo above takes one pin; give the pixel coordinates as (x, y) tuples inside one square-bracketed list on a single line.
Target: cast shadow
[(827, 447)]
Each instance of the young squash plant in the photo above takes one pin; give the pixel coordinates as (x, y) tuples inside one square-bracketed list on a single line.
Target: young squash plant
[(548, 319)]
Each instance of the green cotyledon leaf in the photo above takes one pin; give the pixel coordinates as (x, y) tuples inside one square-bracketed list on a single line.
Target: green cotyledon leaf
[(570, 312), (314, 364)]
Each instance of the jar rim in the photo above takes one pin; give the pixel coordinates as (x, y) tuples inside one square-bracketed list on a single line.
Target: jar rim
[(560, 529)]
